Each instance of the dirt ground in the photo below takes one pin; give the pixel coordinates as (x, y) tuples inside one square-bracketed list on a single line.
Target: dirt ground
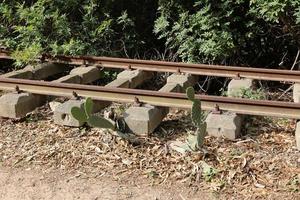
[(34, 184)]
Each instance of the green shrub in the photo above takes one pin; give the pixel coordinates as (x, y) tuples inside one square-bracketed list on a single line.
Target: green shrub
[(236, 32), (253, 32), (75, 27)]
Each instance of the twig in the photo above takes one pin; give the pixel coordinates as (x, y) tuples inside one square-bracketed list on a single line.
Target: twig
[(182, 197), (286, 91), (296, 59), (202, 86), (282, 59)]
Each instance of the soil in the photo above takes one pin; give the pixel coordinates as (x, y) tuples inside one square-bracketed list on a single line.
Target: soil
[(34, 184)]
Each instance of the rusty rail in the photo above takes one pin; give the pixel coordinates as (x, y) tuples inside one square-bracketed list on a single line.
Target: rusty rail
[(241, 106), (173, 67)]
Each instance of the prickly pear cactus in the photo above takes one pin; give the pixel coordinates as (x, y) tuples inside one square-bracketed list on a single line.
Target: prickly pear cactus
[(100, 122), (88, 106), (196, 107), (79, 114), (196, 113), (196, 141), (84, 115), (190, 93), (201, 133)]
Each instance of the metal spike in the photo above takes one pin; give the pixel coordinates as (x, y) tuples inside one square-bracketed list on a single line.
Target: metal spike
[(217, 110), (137, 102), (17, 89), (75, 95)]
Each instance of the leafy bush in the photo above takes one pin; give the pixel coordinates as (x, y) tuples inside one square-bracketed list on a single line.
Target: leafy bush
[(253, 32), (74, 27), (236, 32)]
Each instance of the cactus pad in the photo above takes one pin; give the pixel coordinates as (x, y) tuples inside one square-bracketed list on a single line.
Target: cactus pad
[(88, 106), (196, 113), (190, 92), (100, 122), (79, 114)]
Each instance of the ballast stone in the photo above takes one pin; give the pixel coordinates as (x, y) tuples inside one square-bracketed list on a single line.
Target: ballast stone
[(226, 125), (14, 105), (236, 87)]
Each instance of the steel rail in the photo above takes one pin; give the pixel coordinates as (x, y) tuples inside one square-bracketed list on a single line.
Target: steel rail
[(5, 54), (174, 67), (241, 106)]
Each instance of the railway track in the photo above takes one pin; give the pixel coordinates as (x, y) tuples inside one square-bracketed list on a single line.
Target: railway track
[(156, 98), (174, 67), (166, 97)]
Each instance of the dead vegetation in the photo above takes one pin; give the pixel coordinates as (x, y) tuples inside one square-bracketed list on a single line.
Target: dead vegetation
[(264, 162)]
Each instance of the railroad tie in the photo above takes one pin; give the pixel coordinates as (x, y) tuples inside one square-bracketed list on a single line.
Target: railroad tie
[(125, 79), (37, 72), (143, 120), (18, 104), (228, 124)]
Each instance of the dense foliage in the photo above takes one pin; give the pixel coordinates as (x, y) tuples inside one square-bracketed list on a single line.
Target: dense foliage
[(231, 31), (248, 32), (93, 27)]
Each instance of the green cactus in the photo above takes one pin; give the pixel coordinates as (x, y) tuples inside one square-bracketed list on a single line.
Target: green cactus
[(196, 113), (201, 133), (190, 93), (196, 141), (84, 115), (88, 106), (100, 122), (79, 114)]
